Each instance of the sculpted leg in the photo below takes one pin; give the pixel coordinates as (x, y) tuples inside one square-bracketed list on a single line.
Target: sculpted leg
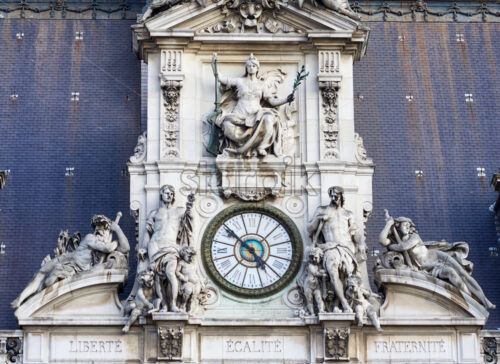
[(333, 272), (267, 138), (31, 289), (174, 285), (319, 301), (373, 318)]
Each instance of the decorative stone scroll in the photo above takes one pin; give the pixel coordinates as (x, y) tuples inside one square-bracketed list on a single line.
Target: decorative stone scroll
[(330, 128), (251, 180), (360, 153), (140, 149)]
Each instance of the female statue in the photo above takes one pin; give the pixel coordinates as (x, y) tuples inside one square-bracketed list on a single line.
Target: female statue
[(249, 118)]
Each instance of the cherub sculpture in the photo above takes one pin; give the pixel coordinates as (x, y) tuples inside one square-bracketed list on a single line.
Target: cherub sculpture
[(312, 282), (192, 283), (249, 118), (358, 298), (145, 301)]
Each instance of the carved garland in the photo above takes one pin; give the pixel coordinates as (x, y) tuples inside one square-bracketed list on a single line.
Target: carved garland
[(330, 129), (170, 125)]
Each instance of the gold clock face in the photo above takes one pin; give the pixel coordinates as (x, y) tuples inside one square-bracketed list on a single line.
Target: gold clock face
[(252, 250)]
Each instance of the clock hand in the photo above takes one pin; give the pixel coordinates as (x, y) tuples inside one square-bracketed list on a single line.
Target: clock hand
[(258, 260)]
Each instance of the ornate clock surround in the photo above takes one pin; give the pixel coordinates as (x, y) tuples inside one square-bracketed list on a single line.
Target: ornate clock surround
[(264, 209)]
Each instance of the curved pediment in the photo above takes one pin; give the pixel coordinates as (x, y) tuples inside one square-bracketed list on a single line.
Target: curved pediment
[(417, 298), (86, 298)]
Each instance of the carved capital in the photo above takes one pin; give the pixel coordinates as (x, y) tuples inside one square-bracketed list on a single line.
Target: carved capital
[(170, 343), (337, 344)]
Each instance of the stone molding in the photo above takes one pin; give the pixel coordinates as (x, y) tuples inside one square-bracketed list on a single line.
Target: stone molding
[(47, 306), (411, 11)]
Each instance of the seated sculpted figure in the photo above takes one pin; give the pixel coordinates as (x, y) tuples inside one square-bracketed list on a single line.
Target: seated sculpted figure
[(92, 251), (439, 259), (250, 120), (163, 225), (340, 242)]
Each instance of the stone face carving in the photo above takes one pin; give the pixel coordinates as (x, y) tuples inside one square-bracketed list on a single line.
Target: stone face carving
[(334, 231), (249, 129), (170, 343), (170, 125), (140, 149), (257, 16), (440, 259), (337, 344), (329, 94), (74, 255)]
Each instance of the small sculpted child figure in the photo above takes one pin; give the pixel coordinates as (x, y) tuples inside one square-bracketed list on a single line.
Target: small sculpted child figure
[(192, 283), (358, 297), (312, 281), (144, 301)]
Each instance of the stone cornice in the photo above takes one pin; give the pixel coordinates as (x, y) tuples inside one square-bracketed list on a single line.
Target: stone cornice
[(395, 11)]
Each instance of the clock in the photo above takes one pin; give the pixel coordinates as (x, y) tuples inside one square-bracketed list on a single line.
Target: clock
[(252, 250)]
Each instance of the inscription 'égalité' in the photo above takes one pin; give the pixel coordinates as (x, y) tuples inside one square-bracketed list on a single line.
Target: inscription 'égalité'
[(253, 346)]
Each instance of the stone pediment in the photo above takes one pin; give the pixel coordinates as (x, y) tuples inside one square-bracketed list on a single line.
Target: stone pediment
[(232, 21)]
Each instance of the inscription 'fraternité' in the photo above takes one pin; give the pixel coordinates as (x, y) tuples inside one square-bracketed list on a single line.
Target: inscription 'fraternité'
[(410, 346)]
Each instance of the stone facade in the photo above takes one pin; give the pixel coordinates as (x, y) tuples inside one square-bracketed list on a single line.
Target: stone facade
[(166, 153)]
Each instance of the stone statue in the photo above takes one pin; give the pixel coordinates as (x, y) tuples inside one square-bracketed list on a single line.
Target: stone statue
[(249, 117), (359, 299), (164, 225), (153, 6), (94, 250), (341, 6), (192, 282), (442, 260), (312, 282), (145, 301), (340, 238)]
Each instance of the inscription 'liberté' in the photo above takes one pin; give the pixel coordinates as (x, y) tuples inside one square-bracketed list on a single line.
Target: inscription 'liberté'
[(253, 346), (95, 346), (410, 346)]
